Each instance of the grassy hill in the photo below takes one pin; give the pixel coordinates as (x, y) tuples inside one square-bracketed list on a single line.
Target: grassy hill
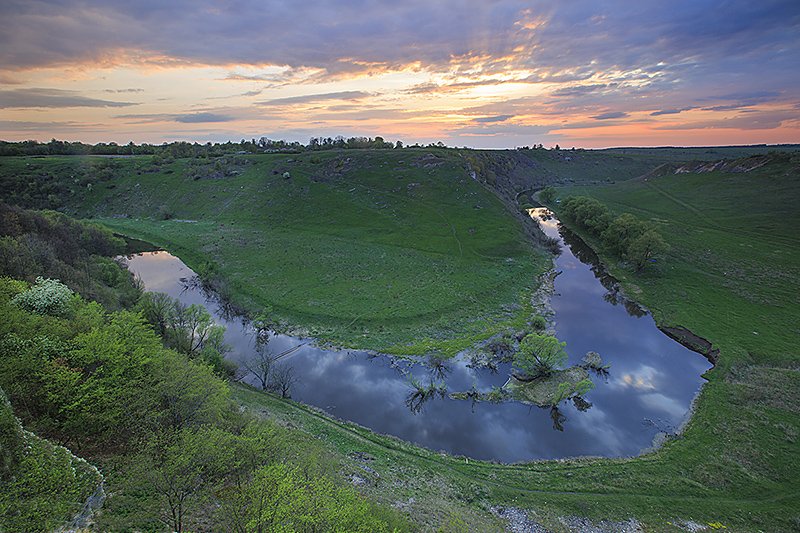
[(397, 250), (733, 271), (44, 485)]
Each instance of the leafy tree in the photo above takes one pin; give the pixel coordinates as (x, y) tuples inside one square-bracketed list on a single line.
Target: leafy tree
[(179, 466), (643, 248), (282, 498), (622, 231), (539, 355), (189, 328), (189, 394), (157, 308)]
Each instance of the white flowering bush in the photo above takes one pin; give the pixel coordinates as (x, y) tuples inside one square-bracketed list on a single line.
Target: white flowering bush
[(46, 297)]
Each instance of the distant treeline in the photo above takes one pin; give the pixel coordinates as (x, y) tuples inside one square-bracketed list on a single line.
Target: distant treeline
[(180, 149)]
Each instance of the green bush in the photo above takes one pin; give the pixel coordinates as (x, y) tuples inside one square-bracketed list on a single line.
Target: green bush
[(539, 355), (538, 322), (625, 236)]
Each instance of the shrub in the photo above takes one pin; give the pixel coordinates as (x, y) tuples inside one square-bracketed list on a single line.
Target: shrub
[(11, 439), (547, 195), (46, 297), (538, 322), (539, 355), (645, 247), (164, 213)]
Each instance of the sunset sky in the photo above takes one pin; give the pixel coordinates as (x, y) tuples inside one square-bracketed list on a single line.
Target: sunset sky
[(499, 73)]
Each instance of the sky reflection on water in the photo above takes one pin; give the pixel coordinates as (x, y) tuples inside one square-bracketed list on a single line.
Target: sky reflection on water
[(649, 389)]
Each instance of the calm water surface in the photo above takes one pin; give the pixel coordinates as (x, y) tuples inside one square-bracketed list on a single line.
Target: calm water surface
[(650, 387)]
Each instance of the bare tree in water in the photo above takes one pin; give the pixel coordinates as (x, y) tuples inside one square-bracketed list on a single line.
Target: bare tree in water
[(271, 375), (282, 379), (261, 363)]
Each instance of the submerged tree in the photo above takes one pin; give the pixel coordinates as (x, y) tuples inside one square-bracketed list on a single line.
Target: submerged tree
[(437, 363), (557, 418), (421, 394)]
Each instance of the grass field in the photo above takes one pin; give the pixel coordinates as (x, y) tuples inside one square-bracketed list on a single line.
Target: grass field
[(398, 251), (732, 271), (731, 276)]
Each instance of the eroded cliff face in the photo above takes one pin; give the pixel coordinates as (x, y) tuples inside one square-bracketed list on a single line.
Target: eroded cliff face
[(30, 467), (733, 165)]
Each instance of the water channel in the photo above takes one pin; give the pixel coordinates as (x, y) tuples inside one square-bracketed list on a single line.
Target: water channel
[(648, 391)]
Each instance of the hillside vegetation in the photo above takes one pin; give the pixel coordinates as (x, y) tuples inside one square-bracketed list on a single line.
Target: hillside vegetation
[(175, 449), (730, 275), (396, 250)]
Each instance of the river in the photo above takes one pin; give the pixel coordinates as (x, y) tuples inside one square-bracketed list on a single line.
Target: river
[(648, 391)]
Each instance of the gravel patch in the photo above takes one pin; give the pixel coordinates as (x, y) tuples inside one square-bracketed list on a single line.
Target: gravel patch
[(518, 520), (584, 525)]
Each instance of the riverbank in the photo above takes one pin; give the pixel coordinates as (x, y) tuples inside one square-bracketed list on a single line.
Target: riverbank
[(641, 398)]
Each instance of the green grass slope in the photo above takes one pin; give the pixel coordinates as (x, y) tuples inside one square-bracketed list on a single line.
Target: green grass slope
[(396, 250), (733, 271), (736, 464)]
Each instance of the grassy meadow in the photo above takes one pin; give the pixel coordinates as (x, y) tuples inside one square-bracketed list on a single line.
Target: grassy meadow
[(731, 276)]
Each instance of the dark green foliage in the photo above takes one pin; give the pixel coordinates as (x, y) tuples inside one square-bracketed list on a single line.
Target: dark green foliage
[(538, 323), (11, 440), (539, 355), (52, 245), (644, 247), (626, 236), (548, 194)]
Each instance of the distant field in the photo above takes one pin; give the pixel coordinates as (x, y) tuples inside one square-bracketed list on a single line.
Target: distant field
[(392, 250)]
